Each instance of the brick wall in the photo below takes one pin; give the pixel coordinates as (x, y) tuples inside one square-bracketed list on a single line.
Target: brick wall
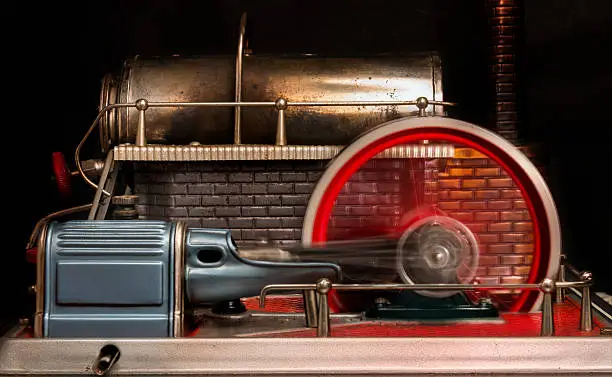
[(256, 200), (478, 192), (373, 199), (267, 200)]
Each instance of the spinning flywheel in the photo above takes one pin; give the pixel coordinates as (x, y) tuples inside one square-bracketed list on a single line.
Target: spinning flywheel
[(465, 205)]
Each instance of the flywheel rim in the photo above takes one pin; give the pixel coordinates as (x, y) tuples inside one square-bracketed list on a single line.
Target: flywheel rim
[(529, 180)]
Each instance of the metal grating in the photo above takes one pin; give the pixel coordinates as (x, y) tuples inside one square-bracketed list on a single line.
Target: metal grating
[(128, 152)]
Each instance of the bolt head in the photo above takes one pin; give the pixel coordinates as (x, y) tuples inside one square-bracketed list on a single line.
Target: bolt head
[(281, 104), (382, 301), (586, 276), (142, 104), (485, 301), (548, 285), (324, 285), (422, 102)]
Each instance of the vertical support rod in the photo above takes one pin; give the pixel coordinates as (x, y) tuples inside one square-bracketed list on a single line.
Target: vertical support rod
[(323, 324), (239, 55), (310, 307), (101, 200), (548, 318), (586, 313), (560, 292), (141, 138), (281, 135)]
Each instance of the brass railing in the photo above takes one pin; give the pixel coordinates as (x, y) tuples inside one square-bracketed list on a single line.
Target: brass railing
[(321, 289), (281, 105)]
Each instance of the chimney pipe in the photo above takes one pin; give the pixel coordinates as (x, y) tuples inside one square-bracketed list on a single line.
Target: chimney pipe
[(505, 18)]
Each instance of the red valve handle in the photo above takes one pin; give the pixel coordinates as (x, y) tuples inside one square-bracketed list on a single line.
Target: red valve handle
[(32, 255), (62, 174)]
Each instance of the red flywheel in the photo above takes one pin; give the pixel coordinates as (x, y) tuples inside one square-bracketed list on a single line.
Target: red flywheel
[(396, 177)]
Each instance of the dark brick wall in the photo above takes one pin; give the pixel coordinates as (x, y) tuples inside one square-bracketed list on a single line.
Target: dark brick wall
[(267, 201), (257, 200), (373, 200)]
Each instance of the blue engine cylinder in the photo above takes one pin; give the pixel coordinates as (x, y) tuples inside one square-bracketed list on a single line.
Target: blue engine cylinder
[(119, 278), (109, 279)]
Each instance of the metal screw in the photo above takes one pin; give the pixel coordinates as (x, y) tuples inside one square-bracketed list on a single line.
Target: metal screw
[(485, 301), (381, 301)]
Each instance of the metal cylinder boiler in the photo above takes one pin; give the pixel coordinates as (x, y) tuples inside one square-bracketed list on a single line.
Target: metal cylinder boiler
[(266, 78)]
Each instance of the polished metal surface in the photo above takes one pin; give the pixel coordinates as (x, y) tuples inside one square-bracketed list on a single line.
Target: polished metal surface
[(92, 168), (172, 105), (415, 287), (125, 200), (281, 132), (560, 293), (141, 138), (422, 104), (41, 266), (104, 191), (525, 356), (266, 78), (265, 152), (108, 95), (310, 308), (548, 317), (323, 321), (180, 234), (447, 252), (586, 311), (324, 286), (238, 83)]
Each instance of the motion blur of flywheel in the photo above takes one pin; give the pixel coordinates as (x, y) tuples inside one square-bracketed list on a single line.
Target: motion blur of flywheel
[(465, 204), (437, 249)]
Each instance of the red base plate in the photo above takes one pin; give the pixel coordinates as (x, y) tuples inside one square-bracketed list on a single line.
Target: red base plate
[(567, 320)]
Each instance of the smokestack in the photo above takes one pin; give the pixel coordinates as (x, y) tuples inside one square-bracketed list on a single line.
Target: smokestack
[(505, 19)]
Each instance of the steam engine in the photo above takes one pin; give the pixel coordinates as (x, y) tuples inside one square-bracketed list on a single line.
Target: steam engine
[(225, 177)]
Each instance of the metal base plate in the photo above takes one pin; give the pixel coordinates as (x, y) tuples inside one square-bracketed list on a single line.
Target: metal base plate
[(315, 356)]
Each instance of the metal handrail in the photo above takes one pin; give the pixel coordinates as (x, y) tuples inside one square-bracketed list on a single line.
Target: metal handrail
[(281, 104), (548, 286)]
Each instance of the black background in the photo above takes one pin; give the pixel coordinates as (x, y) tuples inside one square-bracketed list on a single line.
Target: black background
[(55, 55)]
